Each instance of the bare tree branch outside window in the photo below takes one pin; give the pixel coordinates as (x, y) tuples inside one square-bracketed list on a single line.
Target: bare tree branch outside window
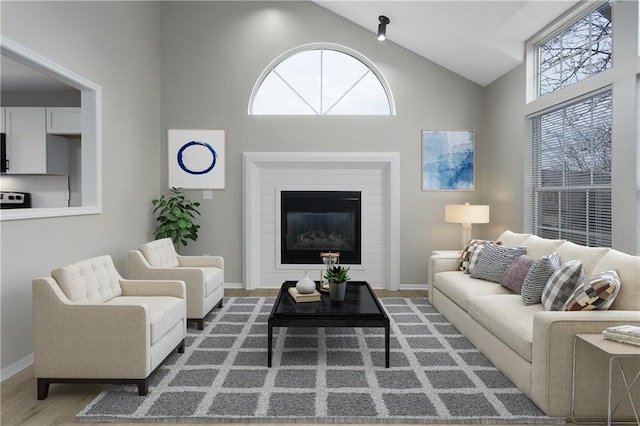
[(580, 51)]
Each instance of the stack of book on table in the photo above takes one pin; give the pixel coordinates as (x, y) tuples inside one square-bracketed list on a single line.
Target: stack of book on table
[(304, 297), (623, 333)]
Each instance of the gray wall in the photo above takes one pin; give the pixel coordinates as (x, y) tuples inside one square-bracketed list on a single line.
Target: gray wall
[(116, 45), (213, 53), (505, 135)]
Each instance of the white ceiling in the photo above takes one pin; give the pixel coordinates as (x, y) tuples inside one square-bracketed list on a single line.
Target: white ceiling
[(480, 40), (16, 77)]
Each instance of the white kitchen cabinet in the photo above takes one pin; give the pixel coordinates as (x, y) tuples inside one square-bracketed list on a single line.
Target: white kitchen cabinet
[(30, 149), (26, 140), (64, 121)]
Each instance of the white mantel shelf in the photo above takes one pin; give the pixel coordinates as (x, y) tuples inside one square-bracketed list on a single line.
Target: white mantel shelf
[(263, 172)]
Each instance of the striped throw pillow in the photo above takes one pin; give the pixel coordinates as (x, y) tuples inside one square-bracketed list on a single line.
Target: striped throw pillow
[(495, 260), (537, 277), (561, 285)]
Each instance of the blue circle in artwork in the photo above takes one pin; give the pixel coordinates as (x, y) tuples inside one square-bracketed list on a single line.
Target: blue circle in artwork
[(188, 145)]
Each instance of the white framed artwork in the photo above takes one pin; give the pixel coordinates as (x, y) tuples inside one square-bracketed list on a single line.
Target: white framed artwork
[(197, 158)]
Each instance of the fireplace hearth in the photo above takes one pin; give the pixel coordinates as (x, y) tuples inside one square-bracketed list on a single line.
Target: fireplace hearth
[(318, 221)]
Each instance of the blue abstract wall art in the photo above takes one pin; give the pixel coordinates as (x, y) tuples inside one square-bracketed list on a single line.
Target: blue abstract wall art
[(197, 158), (448, 160)]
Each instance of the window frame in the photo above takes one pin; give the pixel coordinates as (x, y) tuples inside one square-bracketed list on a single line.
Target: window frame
[(534, 190), (323, 46), (532, 56)]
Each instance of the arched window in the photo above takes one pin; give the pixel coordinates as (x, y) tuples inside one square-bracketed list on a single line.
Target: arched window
[(321, 79)]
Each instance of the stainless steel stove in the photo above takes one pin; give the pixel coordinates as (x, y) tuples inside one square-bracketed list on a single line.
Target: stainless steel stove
[(15, 200)]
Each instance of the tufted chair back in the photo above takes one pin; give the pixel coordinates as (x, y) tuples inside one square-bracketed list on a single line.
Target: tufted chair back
[(93, 280), (160, 253)]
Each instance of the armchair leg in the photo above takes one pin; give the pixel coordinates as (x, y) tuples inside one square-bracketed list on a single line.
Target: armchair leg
[(143, 387), (200, 323), (43, 389), (181, 347), (219, 305)]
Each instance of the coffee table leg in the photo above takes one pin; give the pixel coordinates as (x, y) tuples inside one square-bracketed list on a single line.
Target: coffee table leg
[(269, 344), (387, 337)]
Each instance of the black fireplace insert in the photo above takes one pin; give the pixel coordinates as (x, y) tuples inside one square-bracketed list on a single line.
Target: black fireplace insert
[(320, 221)]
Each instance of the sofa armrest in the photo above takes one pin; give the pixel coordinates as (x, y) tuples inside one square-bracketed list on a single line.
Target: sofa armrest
[(553, 334), (441, 262), (69, 337), (139, 269), (174, 288), (201, 261)]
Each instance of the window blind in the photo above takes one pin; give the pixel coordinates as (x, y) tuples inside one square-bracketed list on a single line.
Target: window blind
[(568, 176)]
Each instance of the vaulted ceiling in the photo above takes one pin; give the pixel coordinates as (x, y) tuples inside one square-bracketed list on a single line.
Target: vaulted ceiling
[(480, 40)]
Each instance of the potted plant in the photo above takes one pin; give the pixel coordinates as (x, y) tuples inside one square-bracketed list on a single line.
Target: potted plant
[(337, 277), (175, 215)]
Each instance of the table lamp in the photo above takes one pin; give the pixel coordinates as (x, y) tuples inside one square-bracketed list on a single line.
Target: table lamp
[(466, 214)]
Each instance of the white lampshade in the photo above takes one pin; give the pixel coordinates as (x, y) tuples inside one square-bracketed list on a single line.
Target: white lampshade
[(466, 213)]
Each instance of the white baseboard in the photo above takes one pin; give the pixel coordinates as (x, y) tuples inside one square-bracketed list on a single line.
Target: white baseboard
[(414, 287), (16, 367), (234, 285)]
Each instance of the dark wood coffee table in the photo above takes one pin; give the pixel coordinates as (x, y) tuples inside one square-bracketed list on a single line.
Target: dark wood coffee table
[(360, 308)]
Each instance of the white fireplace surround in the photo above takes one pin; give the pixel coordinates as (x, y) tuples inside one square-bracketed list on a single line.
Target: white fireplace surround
[(265, 174)]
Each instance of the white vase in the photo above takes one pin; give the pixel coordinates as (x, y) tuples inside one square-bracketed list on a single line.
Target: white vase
[(306, 285)]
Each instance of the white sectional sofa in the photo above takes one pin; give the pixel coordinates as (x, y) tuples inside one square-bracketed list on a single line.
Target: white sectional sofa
[(534, 347)]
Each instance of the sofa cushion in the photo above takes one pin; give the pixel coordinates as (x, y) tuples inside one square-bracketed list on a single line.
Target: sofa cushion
[(589, 256), (628, 268), (94, 280), (160, 253), (495, 260), (509, 238), (561, 285), (213, 278), (507, 319), (537, 278), (515, 274), (459, 287), (537, 246), (597, 292), (164, 311)]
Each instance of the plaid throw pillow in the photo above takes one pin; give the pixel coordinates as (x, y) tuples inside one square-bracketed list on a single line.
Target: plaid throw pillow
[(597, 293), (561, 285), (537, 277), (463, 262)]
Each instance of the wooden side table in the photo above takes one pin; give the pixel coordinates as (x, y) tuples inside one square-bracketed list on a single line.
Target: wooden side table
[(616, 351)]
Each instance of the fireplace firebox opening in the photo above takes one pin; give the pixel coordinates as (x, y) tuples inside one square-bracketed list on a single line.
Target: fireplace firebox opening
[(319, 221)]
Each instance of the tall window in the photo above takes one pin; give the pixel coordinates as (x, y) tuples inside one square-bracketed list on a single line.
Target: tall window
[(578, 52), (568, 184), (320, 80)]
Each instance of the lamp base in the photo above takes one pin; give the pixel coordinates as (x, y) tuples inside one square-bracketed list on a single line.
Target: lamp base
[(466, 234)]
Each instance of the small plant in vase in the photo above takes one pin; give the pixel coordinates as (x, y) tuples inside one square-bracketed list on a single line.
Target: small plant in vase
[(337, 276)]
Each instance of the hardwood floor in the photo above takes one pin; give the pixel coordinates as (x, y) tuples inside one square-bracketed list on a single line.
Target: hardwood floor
[(19, 405)]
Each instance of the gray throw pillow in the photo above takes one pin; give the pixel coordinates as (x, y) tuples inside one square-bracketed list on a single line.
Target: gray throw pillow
[(513, 277), (495, 260), (537, 278), (561, 285)]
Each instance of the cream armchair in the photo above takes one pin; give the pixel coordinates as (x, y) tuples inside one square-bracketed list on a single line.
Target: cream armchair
[(90, 325), (203, 275)]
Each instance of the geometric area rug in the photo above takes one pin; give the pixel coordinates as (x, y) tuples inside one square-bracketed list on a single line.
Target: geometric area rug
[(321, 375)]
